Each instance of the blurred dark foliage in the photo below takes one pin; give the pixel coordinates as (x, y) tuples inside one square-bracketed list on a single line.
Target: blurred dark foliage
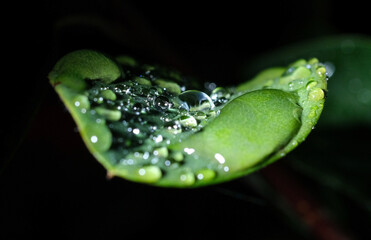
[(51, 186)]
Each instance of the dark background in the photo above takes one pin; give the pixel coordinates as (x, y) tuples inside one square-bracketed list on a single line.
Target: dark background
[(49, 183)]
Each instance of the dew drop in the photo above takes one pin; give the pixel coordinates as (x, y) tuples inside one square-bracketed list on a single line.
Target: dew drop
[(188, 121), (196, 100), (219, 93), (149, 174), (187, 178), (219, 158), (316, 94), (136, 131), (189, 151), (162, 103), (158, 139), (205, 174), (81, 102), (311, 84), (94, 139)]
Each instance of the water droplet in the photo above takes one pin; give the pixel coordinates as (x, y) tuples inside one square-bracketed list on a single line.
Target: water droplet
[(169, 86), (313, 61), (81, 102), (177, 156), (213, 113), (188, 121), (189, 151), (108, 94), (158, 138), (149, 174), (112, 115), (295, 143), (321, 71), (219, 158), (161, 152), (205, 174), (162, 103), (316, 94), (94, 139), (218, 93), (200, 116), (296, 84), (196, 100), (127, 161), (311, 84), (187, 178)]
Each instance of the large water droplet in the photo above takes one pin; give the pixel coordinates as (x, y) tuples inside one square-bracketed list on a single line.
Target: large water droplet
[(187, 178), (81, 102), (149, 174), (196, 100), (316, 94)]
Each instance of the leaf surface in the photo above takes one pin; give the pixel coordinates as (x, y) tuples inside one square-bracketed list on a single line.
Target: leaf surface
[(148, 124)]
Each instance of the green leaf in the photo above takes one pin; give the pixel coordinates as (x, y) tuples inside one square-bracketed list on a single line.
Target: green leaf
[(144, 128), (347, 59)]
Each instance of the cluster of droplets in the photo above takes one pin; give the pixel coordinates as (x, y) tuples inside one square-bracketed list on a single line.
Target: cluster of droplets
[(146, 114)]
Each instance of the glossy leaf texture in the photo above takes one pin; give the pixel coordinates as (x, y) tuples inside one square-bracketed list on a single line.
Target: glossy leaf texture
[(151, 125)]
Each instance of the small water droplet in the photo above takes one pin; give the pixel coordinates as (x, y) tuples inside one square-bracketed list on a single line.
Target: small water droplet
[(94, 139), (177, 156), (81, 102), (205, 174), (321, 71), (296, 84), (187, 178), (219, 158), (189, 151), (200, 116), (162, 103), (219, 93), (213, 113), (161, 152), (188, 121)]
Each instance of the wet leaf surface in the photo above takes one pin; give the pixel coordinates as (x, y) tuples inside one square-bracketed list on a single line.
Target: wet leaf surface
[(149, 124)]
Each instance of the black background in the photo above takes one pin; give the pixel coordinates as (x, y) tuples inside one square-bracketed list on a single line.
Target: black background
[(51, 186)]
